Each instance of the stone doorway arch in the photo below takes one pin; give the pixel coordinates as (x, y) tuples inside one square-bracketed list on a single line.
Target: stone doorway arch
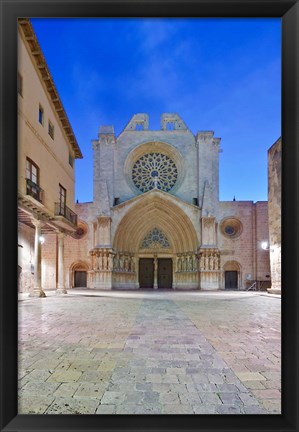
[(232, 275), (158, 211), (79, 275)]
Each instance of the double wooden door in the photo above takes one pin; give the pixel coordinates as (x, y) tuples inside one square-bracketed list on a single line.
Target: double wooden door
[(147, 273)]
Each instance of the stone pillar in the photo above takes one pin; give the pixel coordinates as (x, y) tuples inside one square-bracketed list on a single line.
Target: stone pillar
[(155, 272), (61, 284), (103, 231), (274, 215), (37, 289)]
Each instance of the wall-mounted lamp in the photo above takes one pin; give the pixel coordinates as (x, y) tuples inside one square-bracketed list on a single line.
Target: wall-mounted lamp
[(42, 240), (265, 245)]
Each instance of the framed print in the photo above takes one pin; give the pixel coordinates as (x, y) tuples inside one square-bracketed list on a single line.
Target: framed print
[(142, 272)]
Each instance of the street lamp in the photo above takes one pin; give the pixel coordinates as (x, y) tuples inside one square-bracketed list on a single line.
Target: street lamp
[(265, 245), (42, 240)]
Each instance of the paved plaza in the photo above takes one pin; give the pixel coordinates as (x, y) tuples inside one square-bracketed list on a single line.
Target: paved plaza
[(150, 352)]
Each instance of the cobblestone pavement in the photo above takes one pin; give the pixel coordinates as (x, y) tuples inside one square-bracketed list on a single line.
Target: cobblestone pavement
[(150, 353)]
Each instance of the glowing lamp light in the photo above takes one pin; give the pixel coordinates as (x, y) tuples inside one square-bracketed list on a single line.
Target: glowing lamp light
[(265, 245), (42, 239)]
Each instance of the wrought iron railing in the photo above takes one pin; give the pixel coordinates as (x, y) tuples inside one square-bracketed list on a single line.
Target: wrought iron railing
[(34, 190), (66, 212)]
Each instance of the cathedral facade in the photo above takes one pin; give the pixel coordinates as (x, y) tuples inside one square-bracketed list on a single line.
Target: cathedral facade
[(156, 221)]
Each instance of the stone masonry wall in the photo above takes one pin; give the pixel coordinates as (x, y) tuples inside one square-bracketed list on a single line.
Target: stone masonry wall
[(274, 198)]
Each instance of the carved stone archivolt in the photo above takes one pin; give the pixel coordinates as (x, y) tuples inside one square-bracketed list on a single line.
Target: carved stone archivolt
[(124, 262), (209, 260), (186, 262)]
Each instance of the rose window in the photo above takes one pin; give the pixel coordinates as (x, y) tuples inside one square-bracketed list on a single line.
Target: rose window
[(154, 170), (155, 239)]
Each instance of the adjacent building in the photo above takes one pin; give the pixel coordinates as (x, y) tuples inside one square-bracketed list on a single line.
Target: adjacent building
[(156, 220), (274, 204), (47, 149)]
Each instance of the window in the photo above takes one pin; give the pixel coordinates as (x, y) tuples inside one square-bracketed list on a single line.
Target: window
[(170, 126), (62, 200), (51, 129), (154, 170), (20, 84), (32, 180), (41, 115), (80, 231), (71, 160), (231, 227)]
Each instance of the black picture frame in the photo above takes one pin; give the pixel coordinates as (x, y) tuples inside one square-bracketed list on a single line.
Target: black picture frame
[(288, 11)]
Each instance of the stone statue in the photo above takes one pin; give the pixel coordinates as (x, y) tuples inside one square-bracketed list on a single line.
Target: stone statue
[(121, 262), (215, 262), (132, 264), (110, 262), (126, 264), (105, 261), (183, 264), (190, 263), (194, 263), (179, 264), (211, 262), (202, 262), (206, 262)]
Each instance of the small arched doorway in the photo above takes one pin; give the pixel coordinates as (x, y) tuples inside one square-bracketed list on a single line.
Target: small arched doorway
[(232, 275), (79, 271)]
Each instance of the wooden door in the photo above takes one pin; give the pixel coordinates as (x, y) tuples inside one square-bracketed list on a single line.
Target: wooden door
[(146, 273), (80, 279), (231, 280), (165, 273)]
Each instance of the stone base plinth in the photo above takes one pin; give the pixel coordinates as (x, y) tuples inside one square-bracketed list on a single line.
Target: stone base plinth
[(274, 290), (209, 280), (61, 291), (37, 293), (102, 280)]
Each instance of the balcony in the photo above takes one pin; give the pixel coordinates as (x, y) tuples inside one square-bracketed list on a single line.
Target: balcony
[(33, 190), (66, 216)]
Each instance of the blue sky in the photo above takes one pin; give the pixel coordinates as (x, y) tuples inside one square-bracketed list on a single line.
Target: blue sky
[(217, 74)]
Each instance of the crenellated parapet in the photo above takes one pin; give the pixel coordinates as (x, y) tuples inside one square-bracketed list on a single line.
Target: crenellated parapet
[(138, 122), (172, 121)]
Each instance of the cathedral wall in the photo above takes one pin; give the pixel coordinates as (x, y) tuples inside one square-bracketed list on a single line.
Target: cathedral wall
[(240, 248), (183, 141), (245, 248)]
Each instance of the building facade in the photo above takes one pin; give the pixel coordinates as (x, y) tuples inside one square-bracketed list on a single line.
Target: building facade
[(274, 203), (156, 221), (47, 149)]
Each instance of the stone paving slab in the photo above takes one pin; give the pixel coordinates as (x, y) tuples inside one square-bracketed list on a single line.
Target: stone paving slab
[(150, 353)]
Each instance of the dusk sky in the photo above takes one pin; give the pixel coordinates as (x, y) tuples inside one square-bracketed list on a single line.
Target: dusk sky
[(222, 75)]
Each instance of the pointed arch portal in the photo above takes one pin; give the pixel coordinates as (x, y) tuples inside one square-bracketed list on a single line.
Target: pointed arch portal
[(155, 212), (155, 230)]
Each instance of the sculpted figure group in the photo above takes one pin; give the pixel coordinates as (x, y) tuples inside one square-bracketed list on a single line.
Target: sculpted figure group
[(209, 261), (186, 263), (124, 262)]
